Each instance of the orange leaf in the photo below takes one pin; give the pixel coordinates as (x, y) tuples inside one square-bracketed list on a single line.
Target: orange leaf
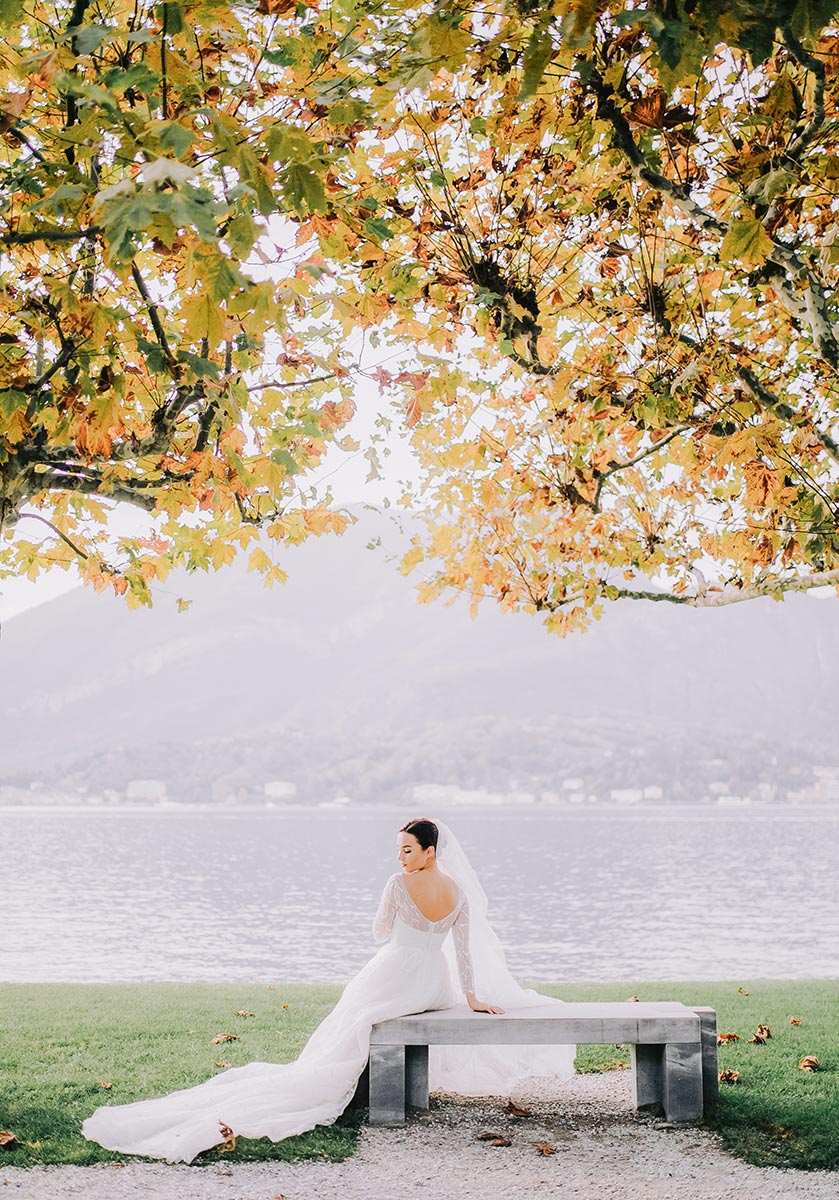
[(225, 1037), (649, 109), (7, 1138), (809, 1063), (729, 1076)]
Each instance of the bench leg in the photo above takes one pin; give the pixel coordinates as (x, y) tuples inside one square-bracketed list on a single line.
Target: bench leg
[(647, 1086), (387, 1085), (416, 1076), (681, 1079), (710, 1065)]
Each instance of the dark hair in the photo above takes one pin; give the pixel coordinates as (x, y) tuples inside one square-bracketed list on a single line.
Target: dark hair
[(424, 831)]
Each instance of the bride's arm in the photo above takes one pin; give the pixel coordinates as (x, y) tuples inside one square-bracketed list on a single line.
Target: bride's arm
[(465, 967), (383, 920)]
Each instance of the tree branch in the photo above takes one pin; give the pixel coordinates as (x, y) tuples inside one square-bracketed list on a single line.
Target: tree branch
[(767, 587), (152, 310), (49, 235), (783, 267), (36, 517), (816, 67), (616, 467)]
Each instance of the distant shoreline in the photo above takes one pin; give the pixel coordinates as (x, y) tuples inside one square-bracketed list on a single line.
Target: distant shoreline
[(523, 810)]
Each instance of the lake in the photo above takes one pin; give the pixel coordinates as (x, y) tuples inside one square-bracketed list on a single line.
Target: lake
[(289, 897)]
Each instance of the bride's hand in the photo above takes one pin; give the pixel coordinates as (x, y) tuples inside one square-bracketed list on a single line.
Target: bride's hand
[(477, 1006)]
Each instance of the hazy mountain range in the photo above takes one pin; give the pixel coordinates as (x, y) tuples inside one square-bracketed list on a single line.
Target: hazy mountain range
[(341, 683)]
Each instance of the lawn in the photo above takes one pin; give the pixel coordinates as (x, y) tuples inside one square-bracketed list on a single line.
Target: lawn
[(66, 1048)]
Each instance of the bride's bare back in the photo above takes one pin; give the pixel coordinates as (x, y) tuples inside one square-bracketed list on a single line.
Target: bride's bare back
[(434, 893)]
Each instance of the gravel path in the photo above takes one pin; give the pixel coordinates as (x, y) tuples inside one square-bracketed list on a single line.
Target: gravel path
[(600, 1146)]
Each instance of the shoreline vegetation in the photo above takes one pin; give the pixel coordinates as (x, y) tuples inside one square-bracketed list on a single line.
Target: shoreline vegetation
[(69, 1047), (329, 808)]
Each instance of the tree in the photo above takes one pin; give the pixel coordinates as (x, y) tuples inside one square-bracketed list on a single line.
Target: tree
[(603, 238), (146, 153)]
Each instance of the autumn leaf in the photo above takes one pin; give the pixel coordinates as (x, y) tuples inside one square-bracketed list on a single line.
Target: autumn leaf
[(229, 1142), (495, 1138), (545, 1148), (244, 1013), (225, 1037), (746, 241), (7, 1138), (724, 1038), (632, 1000), (809, 1063), (742, 991), (795, 1021), (515, 1110), (102, 1084), (648, 110), (221, 1064), (728, 1076)]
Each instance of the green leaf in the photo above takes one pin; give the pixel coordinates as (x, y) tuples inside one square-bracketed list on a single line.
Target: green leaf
[(747, 241), (537, 55), (304, 189), (11, 401), (89, 38), (174, 139), (10, 12), (377, 229)]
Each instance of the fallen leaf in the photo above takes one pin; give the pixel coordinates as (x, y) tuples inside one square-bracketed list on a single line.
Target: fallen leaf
[(7, 1138), (722, 1038), (757, 1040), (632, 1000), (105, 1085), (743, 992), (729, 1076), (225, 1037), (285, 1006), (244, 1013), (501, 1141), (764, 1031), (545, 1148), (795, 1021), (516, 1111), (221, 1064), (229, 1136), (809, 1063), (488, 1137)]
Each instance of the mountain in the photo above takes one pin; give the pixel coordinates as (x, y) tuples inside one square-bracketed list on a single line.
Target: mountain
[(339, 681)]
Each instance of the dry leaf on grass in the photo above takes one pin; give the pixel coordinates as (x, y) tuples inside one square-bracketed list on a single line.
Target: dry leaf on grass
[(795, 1021), (244, 1013), (632, 1000), (722, 1038), (743, 992), (7, 1138), (103, 1084), (225, 1037), (729, 1076), (809, 1063), (221, 1064)]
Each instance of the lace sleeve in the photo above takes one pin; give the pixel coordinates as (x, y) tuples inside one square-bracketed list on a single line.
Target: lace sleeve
[(460, 934), (383, 920)]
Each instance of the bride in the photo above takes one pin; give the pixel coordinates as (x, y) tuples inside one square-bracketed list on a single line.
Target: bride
[(436, 892)]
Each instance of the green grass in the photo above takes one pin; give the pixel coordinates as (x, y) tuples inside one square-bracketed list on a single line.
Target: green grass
[(60, 1042)]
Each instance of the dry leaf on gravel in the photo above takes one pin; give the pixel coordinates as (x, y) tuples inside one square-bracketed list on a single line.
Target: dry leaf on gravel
[(487, 1136), (515, 1110), (545, 1148)]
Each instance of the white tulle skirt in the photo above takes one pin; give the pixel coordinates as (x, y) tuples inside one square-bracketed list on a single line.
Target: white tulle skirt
[(278, 1100)]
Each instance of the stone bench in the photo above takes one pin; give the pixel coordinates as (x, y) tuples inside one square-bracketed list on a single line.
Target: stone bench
[(674, 1050)]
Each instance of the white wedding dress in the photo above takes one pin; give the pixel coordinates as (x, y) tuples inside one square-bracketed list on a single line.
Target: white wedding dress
[(411, 972)]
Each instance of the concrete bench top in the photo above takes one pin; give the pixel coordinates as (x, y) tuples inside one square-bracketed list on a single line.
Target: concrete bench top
[(592, 1022)]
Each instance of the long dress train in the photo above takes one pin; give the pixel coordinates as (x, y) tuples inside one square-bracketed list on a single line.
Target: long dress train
[(409, 973)]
